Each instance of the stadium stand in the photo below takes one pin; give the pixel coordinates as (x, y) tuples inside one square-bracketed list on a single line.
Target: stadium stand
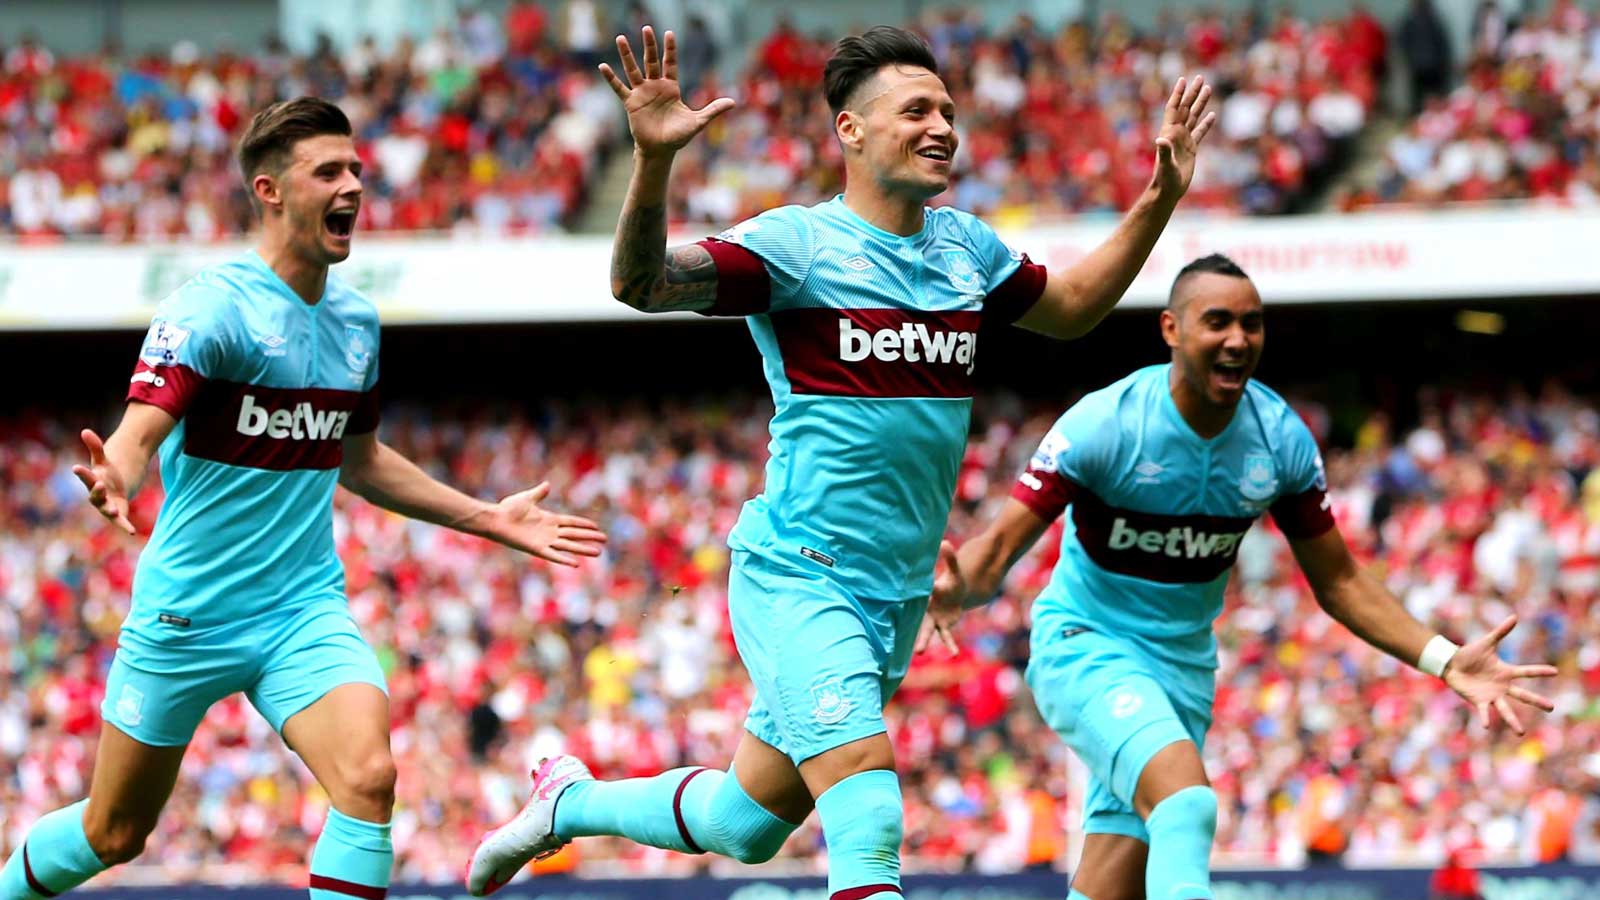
[(1060, 123), (1321, 749), (1520, 124), (457, 134)]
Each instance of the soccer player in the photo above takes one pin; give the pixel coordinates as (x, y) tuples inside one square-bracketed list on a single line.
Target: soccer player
[(866, 310), (1164, 472), (256, 385)]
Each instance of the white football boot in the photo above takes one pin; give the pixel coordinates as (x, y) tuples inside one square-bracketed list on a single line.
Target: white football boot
[(531, 834)]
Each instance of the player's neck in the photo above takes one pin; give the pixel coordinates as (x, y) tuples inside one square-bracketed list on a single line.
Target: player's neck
[(1205, 419), (306, 278), (880, 209)]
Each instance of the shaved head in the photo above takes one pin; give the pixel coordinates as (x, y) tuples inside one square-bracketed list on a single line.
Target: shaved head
[(1183, 286)]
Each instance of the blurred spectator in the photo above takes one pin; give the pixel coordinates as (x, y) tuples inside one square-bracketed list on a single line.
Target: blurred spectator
[(697, 53), (1426, 46), (1455, 880)]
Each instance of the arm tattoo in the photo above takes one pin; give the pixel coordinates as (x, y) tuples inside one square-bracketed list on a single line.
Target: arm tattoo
[(650, 278)]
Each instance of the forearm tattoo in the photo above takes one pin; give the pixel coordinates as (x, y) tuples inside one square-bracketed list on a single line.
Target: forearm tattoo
[(649, 277)]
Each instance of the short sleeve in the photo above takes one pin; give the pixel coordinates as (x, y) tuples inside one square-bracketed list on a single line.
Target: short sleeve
[(1063, 463), (1013, 283), (785, 241), (364, 417), (743, 286), (187, 344), (1302, 511)]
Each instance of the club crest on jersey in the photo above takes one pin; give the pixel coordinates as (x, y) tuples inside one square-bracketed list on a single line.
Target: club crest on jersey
[(1260, 480), (963, 277), (357, 351), (830, 705)]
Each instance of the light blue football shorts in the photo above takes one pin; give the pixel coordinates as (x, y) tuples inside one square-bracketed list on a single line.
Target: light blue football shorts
[(157, 692), (1116, 707), (823, 662)]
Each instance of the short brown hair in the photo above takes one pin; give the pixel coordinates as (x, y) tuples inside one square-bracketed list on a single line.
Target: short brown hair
[(275, 130)]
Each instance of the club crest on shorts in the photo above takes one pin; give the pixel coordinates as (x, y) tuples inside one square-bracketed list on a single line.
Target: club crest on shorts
[(1125, 703), (830, 705), (130, 706), (1260, 479)]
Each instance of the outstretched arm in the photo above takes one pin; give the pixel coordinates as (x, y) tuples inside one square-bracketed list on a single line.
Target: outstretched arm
[(972, 576), (644, 273), (1358, 601), (1075, 299), (378, 474), (118, 464)]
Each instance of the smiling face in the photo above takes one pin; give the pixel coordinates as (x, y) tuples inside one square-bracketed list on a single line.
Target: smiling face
[(899, 131), (315, 197), (1215, 328)]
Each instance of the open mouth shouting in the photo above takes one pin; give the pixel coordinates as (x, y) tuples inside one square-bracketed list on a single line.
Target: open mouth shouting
[(1230, 375), (341, 223)]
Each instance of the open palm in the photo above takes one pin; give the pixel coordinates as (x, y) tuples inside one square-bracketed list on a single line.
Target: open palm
[(1184, 124), (1487, 682), (659, 119), (520, 523)]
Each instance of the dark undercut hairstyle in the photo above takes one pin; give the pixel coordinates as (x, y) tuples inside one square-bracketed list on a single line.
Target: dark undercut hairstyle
[(269, 141), (1216, 264), (858, 57)]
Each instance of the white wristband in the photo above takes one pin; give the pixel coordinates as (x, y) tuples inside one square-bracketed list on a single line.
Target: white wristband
[(1436, 655)]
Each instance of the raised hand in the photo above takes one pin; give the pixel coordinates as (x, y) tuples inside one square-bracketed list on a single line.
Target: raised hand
[(107, 492), (1184, 124), (946, 603), (660, 122), (1477, 673), (518, 522)]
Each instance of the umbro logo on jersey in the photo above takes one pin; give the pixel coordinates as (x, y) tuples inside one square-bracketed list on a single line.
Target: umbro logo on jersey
[(273, 345), (911, 341), (303, 422), (858, 263), (1149, 472)]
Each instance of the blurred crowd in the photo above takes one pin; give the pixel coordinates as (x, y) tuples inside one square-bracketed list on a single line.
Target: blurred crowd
[(1064, 121), (1520, 122), (494, 126), (1322, 749)]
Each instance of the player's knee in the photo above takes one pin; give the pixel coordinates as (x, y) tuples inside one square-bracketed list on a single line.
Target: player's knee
[(739, 827), (369, 780), (758, 845), (116, 841), (1192, 810)]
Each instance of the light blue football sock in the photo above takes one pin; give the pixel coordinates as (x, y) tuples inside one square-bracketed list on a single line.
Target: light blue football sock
[(1181, 830), (643, 810), (863, 820), (690, 810), (352, 859), (55, 857)]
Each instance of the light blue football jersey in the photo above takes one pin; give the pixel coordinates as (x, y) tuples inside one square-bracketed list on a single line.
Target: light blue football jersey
[(869, 341), (264, 387), (1157, 512)]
